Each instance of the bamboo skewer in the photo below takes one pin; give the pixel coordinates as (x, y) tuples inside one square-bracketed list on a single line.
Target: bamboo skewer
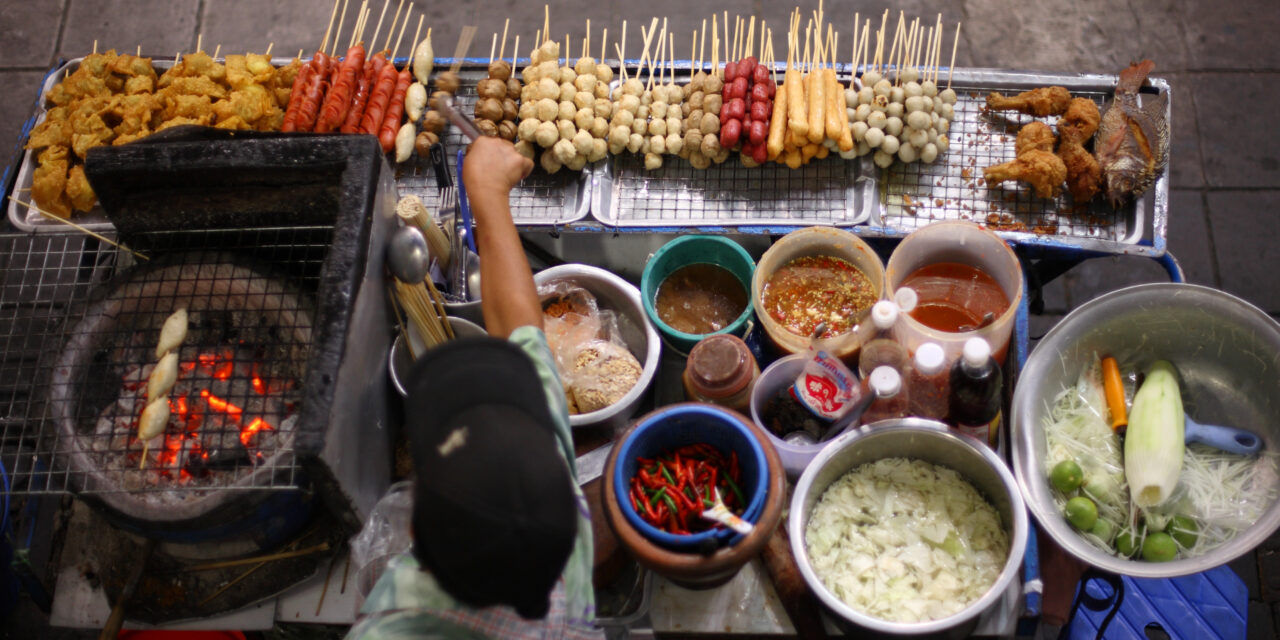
[(386, 46), (78, 227), (328, 30), (954, 44), (374, 40), (338, 34), (506, 23)]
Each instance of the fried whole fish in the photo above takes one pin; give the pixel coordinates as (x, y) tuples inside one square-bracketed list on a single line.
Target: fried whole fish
[(1132, 146)]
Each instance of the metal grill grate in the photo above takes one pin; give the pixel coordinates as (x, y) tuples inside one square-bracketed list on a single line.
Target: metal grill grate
[(542, 198), (79, 322), (829, 191), (953, 188)]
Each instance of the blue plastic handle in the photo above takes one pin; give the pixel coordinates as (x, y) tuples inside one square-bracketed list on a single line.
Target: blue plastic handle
[(1227, 439), (464, 207)]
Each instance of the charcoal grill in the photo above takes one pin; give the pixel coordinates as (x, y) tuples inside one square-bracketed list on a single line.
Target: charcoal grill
[(285, 297)]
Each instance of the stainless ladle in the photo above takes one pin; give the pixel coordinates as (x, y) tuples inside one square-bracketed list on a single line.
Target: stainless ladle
[(407, 255)]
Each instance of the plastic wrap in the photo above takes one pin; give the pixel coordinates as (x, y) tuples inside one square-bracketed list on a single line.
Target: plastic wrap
[(595, 365), (385, 534)]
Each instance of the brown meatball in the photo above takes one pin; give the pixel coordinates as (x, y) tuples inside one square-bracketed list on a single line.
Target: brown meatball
[(500, 70), (487, 127), (489, 109), (434, 101), (491, 88), (509, 110), (434, 122), (423, 143), (507, 130), (513, 88), (447, 82)]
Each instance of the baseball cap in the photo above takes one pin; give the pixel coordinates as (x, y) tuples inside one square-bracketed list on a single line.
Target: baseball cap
[(494, 514)]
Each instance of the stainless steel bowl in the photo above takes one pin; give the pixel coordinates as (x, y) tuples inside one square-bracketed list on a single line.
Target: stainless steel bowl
[(641, 338), (1226, 352), (917, 439)]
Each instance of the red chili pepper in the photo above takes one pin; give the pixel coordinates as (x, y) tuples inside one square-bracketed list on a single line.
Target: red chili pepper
[(648, 508), (733, 467)]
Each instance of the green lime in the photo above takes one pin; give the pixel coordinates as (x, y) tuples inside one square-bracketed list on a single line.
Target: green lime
[(1184, 530), (1159, 547), (1081, 513), (1103, 529), (1066, 476), (1127, 543)]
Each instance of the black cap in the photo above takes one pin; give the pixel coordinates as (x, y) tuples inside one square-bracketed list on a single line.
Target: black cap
[(494, 514)]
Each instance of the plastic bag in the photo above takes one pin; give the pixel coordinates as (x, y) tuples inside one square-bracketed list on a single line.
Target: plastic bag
[(385, 534), (595, 365)]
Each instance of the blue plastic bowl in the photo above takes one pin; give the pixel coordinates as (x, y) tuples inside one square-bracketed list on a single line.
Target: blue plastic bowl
[(683, 424)]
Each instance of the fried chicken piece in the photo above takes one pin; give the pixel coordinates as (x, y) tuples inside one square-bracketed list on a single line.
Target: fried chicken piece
[(49, 181), (1084, 176), (78, 189), (1043, 170), (1035, 135), (1045, 101), (1080, 121), (1035, 162)]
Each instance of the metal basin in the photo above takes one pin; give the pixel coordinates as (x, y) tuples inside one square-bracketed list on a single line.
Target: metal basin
[(1226, 353), (917, 439), (623, 298)]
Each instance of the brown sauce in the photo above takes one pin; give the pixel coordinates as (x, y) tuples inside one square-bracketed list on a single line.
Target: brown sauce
[(700, 298), (954, 297), (814, 289)]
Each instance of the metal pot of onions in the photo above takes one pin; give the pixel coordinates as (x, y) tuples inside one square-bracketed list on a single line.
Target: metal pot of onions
[(907, 528)]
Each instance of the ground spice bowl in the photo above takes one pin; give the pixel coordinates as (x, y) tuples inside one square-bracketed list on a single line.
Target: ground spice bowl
[(677, 425)]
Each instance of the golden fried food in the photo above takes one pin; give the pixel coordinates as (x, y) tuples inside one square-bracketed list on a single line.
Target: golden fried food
[(1045, 101), (49, 181), (1043, 170), (1084, 176), (1036, 135), (1035, 162), (78, 189), (1080, 121), (54, 130)]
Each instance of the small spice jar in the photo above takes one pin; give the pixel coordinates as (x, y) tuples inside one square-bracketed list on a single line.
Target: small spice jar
[(721, 370)]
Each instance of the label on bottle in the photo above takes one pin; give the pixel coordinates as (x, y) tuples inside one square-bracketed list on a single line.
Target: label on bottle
[(984, 432), (826, 386)]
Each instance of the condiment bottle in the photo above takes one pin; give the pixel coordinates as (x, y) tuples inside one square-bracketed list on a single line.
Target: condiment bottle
[(721, 370), (882, 349), (929, 382), (890, 398), (974, 408)]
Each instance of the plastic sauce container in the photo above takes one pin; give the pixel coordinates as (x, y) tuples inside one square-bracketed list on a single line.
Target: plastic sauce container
[(963, 243), (721, 370), (929, 383)]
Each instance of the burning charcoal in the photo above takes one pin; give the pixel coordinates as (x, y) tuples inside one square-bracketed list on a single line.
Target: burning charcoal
[(222, 459)]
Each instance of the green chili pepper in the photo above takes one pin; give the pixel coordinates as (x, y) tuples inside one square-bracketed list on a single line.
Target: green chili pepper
[(742, 502)]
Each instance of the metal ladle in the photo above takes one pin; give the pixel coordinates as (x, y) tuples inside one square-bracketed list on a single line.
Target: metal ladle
[(407, 255)]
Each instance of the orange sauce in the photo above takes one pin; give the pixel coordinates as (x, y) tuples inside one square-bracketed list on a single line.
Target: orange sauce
[(954, 297), (811, 290)]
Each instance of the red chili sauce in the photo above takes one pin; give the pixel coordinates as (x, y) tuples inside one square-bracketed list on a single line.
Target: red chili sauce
[(814, 289), (954, 297)]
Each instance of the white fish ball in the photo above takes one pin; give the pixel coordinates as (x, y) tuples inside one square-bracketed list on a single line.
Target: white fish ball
[(870, 78), (942, 144), (658, 109), (894, 109), (890, 144), (918, 137), (877, 120), (929, 153), (913, 104), (866, 95), (566, 110), (928, 88), (874, 137), (850, 98), (859, 131), (919, 120), (897, 94), (882, 88), (658, 127), (635, 143), (882, 159), (546, 134), (862, 112), (948, 95), (911, 89), (908, 153), (893, 126)]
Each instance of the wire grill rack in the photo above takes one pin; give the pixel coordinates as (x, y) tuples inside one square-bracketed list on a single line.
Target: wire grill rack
[(541, 199), (78, 332), (829, 191)]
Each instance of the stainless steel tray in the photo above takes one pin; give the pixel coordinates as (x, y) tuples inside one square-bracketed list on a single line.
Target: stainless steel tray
[(541, 199), (830, 191), (952, 188)]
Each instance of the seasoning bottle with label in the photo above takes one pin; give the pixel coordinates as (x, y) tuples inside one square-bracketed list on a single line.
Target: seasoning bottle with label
[(929, 382), (890, 397), (974, 408), (721, 370), (883, 349)]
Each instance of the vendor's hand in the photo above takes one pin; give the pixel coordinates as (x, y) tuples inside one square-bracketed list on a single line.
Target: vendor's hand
[(493, 166)]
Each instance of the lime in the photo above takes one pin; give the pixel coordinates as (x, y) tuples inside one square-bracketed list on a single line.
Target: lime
[(1081, 513), (1103, 529), (1159, 547), (1127, 543), (1066, 476), (1184, 530)]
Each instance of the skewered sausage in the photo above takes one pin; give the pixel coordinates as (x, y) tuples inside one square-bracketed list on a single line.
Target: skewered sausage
[(391, 121), (338, 100), (379, 99)]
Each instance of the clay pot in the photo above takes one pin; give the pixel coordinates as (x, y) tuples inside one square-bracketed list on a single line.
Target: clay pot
[(692, 569)]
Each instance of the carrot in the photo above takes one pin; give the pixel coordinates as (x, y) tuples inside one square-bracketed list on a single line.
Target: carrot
[(1114, 389)]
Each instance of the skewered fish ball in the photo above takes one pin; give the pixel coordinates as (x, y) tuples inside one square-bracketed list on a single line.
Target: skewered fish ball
[(710, 124), (710, 146), (862, 113), (423, 143), (585, 66), (674, 125), (564, 150), (657, 144), (527, 149), (658, 110), (599, 149), (509, 109), (713, 85), (491, 88), (908, 154), (507, 130), (632, 87), (635, 143), (912, 89), (599, 127), (948, 96), (890, 144), (584, 100), (602, 107), (712, 103), (674, 143), (567, 92), (513, 88), (652, 161), (619, 136), (623, 118), (942, 144), (882, 88), (586, 83), (914, 103), (500, 70), (658, 127), (859, 131), (434, 122), (897, 94), (947, 111), (882, 159), (642, 112), (584, 119), (550, 162), (929, 153), (877, 120), (582, 142), (527, 130), (566, 110), (866, 95), (919, 120), (487, 127), (894, 110), (629, 103), (546, 134), (874, 137), (910, 74), (851, 98), (604, 73), (547, 89), (871, 78), (489, 109), (893, 126), (918, 137), (601, 90)]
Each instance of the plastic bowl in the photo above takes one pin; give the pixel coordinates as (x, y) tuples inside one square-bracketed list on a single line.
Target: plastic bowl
[(932, 442), (1224, 350), (682, 252), (779, 375), (965, 243), (680, 425), (817, 241), (622, 297)]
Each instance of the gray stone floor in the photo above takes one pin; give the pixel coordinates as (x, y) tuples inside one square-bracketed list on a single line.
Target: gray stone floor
[(1218, 57)]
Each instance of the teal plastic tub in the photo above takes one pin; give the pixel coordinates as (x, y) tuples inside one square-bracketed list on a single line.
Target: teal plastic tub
[(696, 249)]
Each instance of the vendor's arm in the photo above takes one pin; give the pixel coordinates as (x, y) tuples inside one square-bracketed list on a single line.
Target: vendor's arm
[(508, 297)]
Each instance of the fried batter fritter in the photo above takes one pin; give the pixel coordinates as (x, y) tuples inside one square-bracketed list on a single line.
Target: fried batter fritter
[(1045, 101)]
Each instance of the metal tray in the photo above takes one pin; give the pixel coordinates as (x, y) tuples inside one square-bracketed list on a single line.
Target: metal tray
[(952, 188), (28, 219), (830, 191), (541, 199)]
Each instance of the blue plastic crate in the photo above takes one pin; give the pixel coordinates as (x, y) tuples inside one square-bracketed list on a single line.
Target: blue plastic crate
[(1207, 605)]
